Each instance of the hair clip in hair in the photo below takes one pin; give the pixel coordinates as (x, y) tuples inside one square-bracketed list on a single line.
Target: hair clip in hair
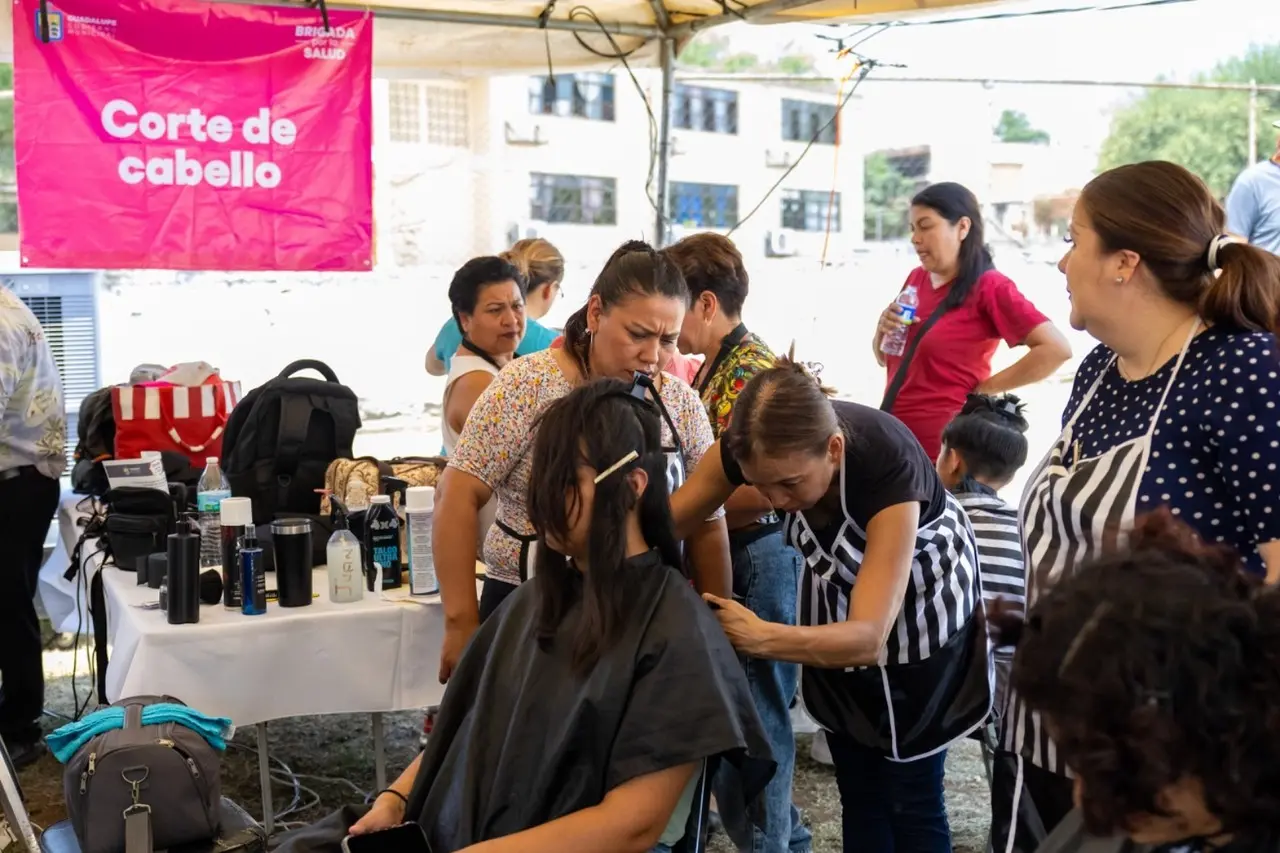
[(1215, 246), (615, 466)]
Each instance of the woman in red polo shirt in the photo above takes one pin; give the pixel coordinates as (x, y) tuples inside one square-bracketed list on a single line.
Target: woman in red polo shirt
[(981, 308)]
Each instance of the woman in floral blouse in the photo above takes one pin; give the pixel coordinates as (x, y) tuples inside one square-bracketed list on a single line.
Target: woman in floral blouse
[(629, 325), (766, 571)]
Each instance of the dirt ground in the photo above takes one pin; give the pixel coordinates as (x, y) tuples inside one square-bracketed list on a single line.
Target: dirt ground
[(332, 758)]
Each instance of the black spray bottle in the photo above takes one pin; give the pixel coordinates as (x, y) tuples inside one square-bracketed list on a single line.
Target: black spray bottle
[(253, 578)]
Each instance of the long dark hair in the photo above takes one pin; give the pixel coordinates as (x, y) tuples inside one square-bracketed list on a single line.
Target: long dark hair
[(636, 268), (1156, 663), (596, 425), (954, 202)]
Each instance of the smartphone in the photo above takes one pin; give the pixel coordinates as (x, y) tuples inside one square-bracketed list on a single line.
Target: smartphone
[(405, 838)]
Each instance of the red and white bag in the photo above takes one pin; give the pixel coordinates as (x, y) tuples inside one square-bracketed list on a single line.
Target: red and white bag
[(179, 418)]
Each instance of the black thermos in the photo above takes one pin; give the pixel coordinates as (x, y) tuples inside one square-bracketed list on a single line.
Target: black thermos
[(291, 549), (184, 573)]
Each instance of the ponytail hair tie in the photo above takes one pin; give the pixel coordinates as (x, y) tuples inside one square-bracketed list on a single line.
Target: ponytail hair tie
[(1215, 245)]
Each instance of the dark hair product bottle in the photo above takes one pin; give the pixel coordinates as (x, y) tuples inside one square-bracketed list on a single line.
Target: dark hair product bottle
[(184, 572), (253, 578), (382, 542), (235, 514)]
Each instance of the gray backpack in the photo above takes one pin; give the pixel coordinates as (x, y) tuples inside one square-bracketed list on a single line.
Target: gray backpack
[(160, 782)]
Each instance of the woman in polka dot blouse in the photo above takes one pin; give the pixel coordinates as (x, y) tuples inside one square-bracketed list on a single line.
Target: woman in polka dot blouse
[(1178, 406)]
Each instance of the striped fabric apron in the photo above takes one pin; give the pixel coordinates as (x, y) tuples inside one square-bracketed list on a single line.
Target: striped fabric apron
[(932, 684), (1073, 509)]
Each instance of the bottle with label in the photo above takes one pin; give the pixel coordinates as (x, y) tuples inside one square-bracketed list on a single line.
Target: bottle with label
[(253, 578), (342, 558), (234, 515), (382, 542), (419, 510), (210, 491), (895, 343)]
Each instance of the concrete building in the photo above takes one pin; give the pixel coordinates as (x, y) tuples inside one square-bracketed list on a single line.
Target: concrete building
[(463, 167)]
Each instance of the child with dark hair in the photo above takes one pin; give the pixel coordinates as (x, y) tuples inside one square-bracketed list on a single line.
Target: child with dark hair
[(982, 449), (582, 712), (1156, 666)]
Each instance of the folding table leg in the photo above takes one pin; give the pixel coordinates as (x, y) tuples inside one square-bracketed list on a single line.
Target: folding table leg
[(379, 753), (264, 780)]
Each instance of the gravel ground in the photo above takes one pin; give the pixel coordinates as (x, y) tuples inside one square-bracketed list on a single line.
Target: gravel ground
[(339, 748)]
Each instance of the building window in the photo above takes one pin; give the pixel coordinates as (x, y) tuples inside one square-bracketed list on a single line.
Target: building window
[(807, 210), (805, 120), (581, 95), (709, 110), (573, 199), (447, 116), (704, 205), (435, 113), (405, 99)]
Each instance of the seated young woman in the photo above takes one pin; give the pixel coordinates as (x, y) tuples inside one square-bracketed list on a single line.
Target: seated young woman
[(581, 713)]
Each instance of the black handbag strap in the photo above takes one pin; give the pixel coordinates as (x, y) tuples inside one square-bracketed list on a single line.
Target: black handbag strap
[(891, 393)]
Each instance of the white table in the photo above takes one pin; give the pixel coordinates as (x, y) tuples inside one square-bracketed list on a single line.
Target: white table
[(58, 595), (372, 656)]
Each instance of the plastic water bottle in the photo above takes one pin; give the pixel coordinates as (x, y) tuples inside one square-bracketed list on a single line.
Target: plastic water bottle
[(209, 494), (895, 343)]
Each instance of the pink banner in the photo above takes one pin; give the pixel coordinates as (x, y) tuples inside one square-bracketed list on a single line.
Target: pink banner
[(180, 134)]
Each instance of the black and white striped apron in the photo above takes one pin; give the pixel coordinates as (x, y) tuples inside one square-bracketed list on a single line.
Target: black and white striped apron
[(1072, 509), (933, 682)]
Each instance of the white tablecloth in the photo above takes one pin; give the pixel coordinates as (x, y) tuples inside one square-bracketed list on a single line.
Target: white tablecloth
[(367, 656), (57, 594)]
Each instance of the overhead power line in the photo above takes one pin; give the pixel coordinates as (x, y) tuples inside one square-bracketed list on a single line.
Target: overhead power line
[(1036, 13)]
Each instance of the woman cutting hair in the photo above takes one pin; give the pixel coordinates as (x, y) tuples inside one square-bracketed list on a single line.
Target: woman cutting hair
[(975, 306), (1157, 668), (891, 636), (582, 713), (1176, 407), (627, 329)]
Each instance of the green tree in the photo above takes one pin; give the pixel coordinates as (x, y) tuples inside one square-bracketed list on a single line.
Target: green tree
[(1014, 126), (886, 198), (712, 52), (1206, 131)]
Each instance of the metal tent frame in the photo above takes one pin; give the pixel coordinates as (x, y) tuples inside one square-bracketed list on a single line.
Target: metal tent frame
[(674, 23)]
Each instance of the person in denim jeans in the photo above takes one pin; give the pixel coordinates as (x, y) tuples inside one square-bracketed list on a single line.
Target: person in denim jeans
[(766, 571)]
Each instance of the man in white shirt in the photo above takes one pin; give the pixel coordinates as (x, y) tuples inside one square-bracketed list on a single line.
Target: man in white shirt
[(1253, 207), (33, 440)]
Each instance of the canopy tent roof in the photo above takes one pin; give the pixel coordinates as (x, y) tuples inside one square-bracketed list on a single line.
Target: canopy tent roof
[(461, 37)]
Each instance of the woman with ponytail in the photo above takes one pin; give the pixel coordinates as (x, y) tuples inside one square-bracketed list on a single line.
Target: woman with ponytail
[(1156, 666), (584, 712), (1178, 406), (627, 330), (966, 308), (890, 634)]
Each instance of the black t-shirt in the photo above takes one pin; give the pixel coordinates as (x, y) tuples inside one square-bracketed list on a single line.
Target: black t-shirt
[(884, 465)]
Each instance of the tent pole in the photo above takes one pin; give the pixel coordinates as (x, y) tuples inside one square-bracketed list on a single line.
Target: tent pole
[(668, 55)]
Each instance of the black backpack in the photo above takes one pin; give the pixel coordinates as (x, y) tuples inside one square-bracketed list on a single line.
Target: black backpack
[(96, 434), (281, 438)]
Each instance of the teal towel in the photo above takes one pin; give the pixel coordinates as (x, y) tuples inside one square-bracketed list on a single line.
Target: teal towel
[(64, 742)]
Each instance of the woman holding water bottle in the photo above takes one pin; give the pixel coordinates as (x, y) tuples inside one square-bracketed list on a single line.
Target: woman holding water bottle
[(937, 339)]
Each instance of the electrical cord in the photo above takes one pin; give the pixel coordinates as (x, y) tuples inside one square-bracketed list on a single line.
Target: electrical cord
[(864, 68), (1037, 13), (621, 55)]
